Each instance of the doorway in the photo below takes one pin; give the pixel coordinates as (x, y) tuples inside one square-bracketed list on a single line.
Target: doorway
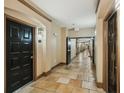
[(19, 54), (76, 45)]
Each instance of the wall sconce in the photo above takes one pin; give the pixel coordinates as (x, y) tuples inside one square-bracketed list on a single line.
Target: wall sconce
[(40, 36)]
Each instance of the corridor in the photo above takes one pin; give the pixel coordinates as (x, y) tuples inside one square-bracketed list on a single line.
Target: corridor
[(78, 77), (61, 46)]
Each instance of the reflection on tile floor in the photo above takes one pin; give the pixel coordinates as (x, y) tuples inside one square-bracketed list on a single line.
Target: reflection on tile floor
[(78, 77)]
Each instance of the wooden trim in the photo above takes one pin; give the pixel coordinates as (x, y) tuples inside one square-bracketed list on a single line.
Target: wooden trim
[(39, 76), (47, 73), (34, 9), (118, 52), (34, 55), (97, 6), (34, 52), (105, 56), (112, 10), (99, 85), (18, 20), (81, 37), (5, 77)]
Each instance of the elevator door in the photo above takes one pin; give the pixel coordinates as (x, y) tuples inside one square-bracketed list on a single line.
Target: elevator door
[(19, 52), (112, 54)]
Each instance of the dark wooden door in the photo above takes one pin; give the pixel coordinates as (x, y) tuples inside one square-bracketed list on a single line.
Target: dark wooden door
[(19, 64), (68, 50), (112, 54)]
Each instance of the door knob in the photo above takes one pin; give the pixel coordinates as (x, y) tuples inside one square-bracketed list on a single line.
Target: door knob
[(115, 67), (31, 57)]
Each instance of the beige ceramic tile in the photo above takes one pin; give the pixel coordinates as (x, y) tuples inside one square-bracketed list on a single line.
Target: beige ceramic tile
[(49, 92), (40, 84), (64, 89), (89, 85), (80, 90), (62, 71), (75, 83), (91, 91), (49, 86), (79, 77), (52, 86), (31, 90), (63, 80), (36, 90), (52, 78), (72, 76)]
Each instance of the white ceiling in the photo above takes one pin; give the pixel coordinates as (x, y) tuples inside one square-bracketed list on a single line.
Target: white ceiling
[(68, 12)]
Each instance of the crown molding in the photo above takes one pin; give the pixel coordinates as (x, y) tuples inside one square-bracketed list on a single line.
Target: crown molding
[(34, 9), (97, 6)]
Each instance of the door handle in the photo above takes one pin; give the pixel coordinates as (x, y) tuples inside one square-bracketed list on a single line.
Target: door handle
[(115, 67), (69, 50), (31, 57)]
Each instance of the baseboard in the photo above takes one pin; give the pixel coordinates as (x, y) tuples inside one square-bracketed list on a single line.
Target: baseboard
[(38, 77), (59, 64), (47, 73), (99, 85)]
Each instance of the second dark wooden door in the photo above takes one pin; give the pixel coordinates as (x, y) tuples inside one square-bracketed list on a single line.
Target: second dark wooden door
[(112, 54)]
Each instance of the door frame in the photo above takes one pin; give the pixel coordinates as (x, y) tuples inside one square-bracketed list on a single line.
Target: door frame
[(112, 10), (67, 59), (5, 46)]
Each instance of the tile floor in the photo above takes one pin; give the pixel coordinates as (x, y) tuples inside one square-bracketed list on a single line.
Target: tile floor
[(78, 77)]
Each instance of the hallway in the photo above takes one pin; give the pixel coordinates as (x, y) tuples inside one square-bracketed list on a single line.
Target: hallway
[(61, 46), (78, 77)]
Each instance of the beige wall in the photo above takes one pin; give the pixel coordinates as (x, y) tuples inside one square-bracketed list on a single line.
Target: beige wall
[(56, 44), (99, 50), (87, 32), (64, 34), (39, 49), (49, 51)]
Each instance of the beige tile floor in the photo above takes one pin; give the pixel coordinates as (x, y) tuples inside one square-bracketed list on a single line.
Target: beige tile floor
[(78, 77)]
